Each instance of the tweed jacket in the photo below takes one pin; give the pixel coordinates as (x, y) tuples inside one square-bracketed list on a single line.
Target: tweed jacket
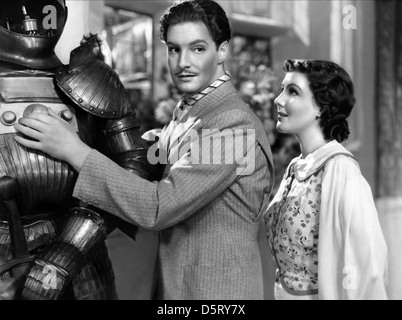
[(207, 210)]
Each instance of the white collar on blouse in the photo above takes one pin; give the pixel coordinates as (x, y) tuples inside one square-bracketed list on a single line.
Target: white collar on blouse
[(305, 168)]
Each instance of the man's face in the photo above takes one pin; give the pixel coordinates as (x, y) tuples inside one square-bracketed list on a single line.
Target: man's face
[(193, 58)]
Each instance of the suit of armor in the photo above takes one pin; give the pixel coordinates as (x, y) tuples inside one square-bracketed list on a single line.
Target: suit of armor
[(51, 245)]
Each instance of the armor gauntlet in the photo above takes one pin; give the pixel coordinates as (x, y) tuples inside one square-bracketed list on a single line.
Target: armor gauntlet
[(56, 266), (127, 148)]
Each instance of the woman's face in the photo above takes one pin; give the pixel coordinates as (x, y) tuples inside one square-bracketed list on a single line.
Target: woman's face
[(297, 109), (193, 59)]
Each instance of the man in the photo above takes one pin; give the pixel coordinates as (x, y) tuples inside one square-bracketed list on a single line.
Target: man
[(208, 203)]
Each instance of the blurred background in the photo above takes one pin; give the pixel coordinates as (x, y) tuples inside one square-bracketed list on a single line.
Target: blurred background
[(364, 36)]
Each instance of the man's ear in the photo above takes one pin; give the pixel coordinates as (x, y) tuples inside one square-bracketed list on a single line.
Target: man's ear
[(223, 52)]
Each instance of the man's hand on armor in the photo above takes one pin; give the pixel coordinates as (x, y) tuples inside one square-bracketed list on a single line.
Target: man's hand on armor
[(101, 49), (53, 136)]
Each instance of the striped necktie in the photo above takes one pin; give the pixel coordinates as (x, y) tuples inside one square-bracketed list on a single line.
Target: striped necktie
[(183, 106)]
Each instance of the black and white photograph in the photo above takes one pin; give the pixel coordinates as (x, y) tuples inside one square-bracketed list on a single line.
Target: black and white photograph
[(200, 154)]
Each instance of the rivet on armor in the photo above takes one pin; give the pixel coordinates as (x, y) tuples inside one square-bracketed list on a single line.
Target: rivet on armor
[(67, 115), (8, 118), (80, 100), (35, 108), (69, 90)]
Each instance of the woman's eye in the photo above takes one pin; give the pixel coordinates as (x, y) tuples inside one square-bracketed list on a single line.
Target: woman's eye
[(292, 91)]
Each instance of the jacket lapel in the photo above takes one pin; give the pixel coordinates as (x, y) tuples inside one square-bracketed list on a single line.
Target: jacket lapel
[(210, 101), (180, 129), (314, 162), (178, 135)]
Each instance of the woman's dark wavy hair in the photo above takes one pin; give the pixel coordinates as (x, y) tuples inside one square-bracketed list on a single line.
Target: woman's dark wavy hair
[(207, 11), (333, 92)]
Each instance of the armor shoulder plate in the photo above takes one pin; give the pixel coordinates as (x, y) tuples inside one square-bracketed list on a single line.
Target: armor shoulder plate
[(92, 84)]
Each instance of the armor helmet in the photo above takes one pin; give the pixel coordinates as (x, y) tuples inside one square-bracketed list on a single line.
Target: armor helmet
[(30, 30)]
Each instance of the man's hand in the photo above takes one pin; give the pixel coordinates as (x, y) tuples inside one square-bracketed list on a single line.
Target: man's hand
[(101, 49), (53, 136)]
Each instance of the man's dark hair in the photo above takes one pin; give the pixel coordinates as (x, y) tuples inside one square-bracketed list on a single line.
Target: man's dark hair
[(207, 11)]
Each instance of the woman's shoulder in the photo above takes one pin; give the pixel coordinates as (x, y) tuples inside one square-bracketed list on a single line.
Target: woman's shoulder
[(343, 161), (344, 169), (335, 155)]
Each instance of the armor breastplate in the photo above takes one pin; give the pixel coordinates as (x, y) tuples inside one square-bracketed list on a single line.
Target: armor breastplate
[(45, 183)]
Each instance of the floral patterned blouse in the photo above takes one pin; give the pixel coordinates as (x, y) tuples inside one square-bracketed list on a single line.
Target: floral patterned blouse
[(332, 197), (292, 229)]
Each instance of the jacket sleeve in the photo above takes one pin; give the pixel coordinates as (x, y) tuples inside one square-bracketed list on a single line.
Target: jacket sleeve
[(352, 252), (188, 187)]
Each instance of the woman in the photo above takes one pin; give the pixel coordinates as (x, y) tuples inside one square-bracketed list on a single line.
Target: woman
[(322, 225)]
